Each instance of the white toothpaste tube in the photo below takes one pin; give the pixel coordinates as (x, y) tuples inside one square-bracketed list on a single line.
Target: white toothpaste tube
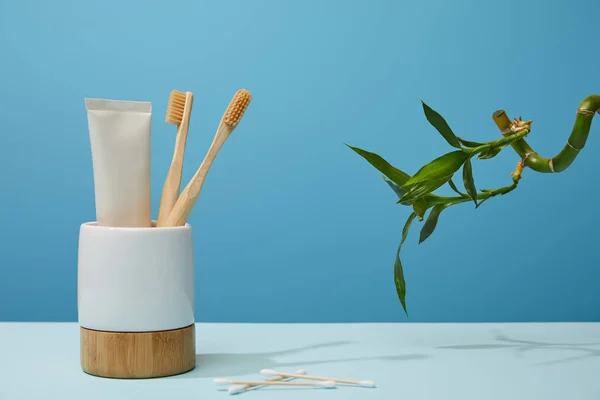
[(120, 141)]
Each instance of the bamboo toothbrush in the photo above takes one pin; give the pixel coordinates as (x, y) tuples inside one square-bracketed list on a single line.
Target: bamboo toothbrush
[(179, 111), (231, 118)]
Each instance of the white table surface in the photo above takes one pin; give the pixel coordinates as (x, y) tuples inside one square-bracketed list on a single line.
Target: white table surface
[(408, 361)]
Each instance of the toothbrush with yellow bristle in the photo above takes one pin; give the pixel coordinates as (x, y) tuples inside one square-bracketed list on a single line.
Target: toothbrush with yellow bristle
[(179, 111), (231, 118)]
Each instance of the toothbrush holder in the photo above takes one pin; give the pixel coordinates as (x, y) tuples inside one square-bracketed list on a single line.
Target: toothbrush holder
[(135, 299)]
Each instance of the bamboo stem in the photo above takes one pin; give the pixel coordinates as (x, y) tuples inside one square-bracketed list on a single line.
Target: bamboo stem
[(450, 200), (485, 195), (579, 134), (500, 142), (529, 158)]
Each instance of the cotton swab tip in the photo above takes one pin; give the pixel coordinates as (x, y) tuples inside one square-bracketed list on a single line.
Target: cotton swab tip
[(222, 381), (370, 384), (236, 389), (326, 384), (267, 371)]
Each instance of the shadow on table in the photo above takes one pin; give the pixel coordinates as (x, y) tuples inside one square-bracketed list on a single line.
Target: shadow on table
[(232, 364), (523, 346)]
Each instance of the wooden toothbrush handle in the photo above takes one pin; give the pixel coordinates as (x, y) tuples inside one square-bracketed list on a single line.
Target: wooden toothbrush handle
[(187, 199), (172, 184)]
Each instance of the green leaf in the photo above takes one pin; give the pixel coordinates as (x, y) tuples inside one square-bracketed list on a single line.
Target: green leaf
[(397, 189), (407, 227), (421, 189), (468, 143), (481, 202), (431, 223), (497, 192), (398, 271), (441, 167), (441, 125), (397, 176), (491, 152), (453, 186), (420, 207), (469, 182)]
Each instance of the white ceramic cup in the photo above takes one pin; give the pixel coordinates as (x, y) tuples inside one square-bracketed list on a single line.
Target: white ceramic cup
[(135, 279)]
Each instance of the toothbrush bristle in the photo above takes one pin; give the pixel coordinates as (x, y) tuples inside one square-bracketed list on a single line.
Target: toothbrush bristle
[(237, 108), (175, 107)]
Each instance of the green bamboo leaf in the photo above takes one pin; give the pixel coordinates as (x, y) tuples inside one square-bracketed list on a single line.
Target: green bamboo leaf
[(469, 182), (398, 270), (441, 125), (394, 174), (495, 192), (453, 186), (397, 189), (481, 202), (421, 189), (493, 149), (443, 166), (491, 152), (431, 222), (468, 143), (407, 227), (420, 207)]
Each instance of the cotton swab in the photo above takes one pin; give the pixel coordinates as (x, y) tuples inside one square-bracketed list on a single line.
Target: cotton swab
[(240, 388), (318, 378), (325, 384)]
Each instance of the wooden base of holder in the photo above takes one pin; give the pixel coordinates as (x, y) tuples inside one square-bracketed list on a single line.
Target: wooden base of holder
[(134, 355)]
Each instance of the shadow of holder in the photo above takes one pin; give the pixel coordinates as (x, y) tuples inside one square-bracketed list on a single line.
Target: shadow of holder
[(240, 364)]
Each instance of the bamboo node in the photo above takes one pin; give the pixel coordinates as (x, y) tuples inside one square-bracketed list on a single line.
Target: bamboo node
[(518, 170), (524, 160), (551, 164), (584, 111), (573, 147)]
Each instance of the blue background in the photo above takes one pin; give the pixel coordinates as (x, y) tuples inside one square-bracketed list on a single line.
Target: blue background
[(292, 225)]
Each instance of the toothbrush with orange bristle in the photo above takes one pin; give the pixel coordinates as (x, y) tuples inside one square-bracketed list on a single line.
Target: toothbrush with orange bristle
[(179, 111), (231, 118)]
